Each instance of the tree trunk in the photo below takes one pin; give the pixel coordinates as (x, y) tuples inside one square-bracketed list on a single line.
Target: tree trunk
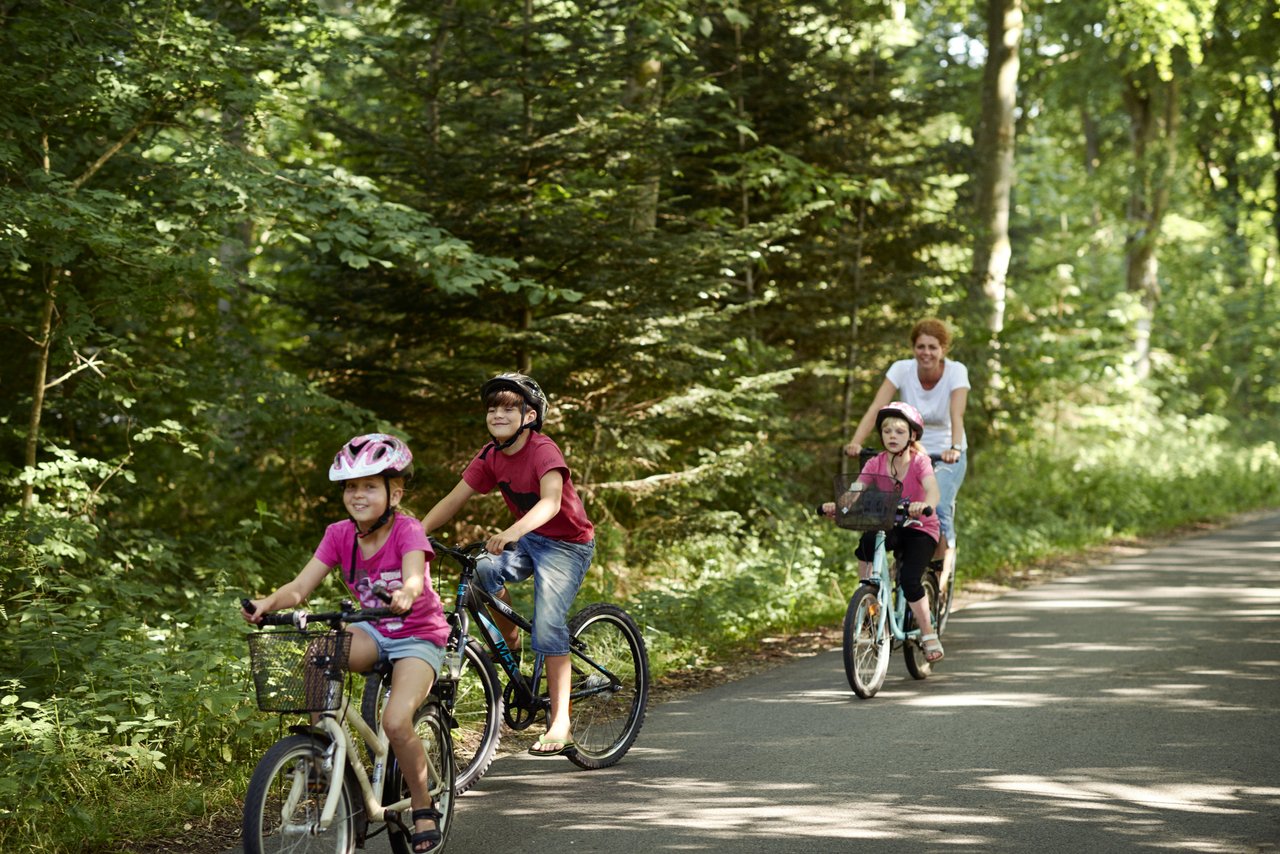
[(995, 148), (1153, 125), (38, 387)]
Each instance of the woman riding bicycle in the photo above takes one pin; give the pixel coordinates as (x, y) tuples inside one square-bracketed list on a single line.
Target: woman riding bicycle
[(900, 426), (380, 551), (938, 388)]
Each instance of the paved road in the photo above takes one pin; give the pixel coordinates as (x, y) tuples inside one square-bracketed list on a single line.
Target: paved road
[(1133, 707)]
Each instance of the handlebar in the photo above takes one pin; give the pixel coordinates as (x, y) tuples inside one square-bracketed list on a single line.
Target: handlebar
[(465, 555), (334, 619), (902, 508)]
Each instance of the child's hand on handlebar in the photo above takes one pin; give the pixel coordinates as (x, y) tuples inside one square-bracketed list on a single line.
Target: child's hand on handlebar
[(251, 610), (499, 543), (919, 508)]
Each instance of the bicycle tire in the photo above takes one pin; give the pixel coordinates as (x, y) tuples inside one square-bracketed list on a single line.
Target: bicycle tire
[(607, 715), (913, 650), (866, 642), (429, 724), (945, 598), (477, 710), (288, 773)]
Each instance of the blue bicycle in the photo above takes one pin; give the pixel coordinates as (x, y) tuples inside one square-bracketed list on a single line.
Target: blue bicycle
[(878, 619)]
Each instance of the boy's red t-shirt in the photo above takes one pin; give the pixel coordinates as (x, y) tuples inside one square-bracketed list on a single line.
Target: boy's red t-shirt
[(519, 476), (425, 619)]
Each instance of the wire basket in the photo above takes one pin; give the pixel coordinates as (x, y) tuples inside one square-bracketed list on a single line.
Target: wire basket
[(866, 502), (296, 672)]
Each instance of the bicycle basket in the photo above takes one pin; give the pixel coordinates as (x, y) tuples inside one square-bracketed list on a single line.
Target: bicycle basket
[(866, 502), (299, 671)]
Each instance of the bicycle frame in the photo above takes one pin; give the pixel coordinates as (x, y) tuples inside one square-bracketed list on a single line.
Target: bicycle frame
[(468, 609), (335, 725), (893, 614), (471, 602)]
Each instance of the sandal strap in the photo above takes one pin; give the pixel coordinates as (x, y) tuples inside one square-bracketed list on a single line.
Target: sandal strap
[(429, 814)]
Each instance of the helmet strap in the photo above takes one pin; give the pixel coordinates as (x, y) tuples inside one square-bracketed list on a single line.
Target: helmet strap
[(524, 425), (386, 517)]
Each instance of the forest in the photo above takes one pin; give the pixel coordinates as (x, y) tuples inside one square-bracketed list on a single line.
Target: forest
[(235, 233)]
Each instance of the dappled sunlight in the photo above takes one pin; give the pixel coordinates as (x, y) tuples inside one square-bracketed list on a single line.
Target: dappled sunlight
[(988, 698), (1093, 790)]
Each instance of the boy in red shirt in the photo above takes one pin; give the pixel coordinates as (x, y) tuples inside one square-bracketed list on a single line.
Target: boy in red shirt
[(552, 536)]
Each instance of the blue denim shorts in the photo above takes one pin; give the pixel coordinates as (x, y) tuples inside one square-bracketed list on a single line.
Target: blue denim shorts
[(949, 477), (557, 568), (394, 649)]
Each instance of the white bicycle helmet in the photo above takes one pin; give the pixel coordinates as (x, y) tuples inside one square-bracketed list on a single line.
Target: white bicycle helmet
[(372, 454)]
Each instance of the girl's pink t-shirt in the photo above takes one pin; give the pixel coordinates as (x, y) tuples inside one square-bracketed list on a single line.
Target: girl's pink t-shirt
[(425, 619), (912, 486)]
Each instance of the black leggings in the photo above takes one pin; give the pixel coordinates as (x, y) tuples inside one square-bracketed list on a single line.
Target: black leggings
[(914, 549)]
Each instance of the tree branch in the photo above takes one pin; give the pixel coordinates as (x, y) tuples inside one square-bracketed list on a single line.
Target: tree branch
[(90, 363), (107, 155)]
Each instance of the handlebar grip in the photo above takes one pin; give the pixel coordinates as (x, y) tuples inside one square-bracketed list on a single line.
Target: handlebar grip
[(928, 511), (247, 605)]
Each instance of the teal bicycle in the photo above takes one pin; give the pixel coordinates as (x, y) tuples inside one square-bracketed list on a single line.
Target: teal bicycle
[(878, 619)]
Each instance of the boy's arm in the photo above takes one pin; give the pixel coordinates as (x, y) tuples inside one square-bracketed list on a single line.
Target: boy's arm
[(550, 492), (446, 508), (290, 595)]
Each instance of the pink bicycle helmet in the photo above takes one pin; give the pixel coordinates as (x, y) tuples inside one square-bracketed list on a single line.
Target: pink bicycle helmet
[(905, 411), (372, 454)]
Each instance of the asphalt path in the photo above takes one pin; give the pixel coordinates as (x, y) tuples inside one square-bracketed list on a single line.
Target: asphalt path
[(1134, 706)]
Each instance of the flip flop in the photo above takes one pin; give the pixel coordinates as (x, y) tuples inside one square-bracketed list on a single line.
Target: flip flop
[(565, 747)]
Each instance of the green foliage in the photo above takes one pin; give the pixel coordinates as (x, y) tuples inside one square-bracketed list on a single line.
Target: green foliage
[(256, 229)]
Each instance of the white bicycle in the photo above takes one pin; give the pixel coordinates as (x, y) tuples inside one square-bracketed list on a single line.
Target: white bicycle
[(311, 791)]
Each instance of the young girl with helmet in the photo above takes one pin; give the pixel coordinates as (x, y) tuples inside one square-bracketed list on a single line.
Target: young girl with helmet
[(381, 551), (552, 538), (904, 459)]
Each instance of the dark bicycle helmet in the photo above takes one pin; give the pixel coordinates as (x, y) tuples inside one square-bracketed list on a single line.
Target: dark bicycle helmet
[(531, 397), (907, 413), (522, 385)]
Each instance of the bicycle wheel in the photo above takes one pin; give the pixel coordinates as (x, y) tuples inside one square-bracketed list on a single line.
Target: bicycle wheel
[(430, 725), (286, 795), (866, 642), (913, 650), (943, 610), (610, 688), (477, 709)]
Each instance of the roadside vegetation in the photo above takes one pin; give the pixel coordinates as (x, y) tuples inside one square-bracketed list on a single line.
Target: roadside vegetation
[(147, 722)]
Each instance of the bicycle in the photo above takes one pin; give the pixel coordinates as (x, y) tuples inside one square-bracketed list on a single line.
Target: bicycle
[(610, 673), (945, 595), (311, 791), (878, 619)]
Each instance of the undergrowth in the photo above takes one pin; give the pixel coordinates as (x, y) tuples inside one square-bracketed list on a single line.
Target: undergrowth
[(120, 724)]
